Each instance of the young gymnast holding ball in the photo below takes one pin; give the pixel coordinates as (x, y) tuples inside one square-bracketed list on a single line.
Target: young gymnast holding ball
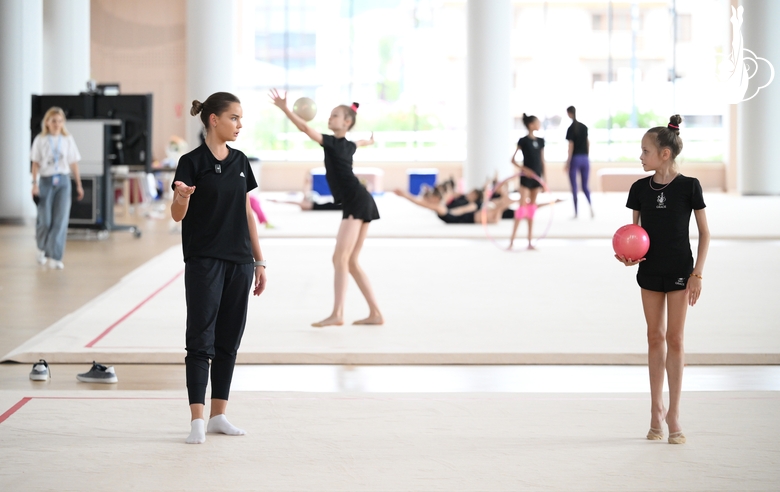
[(359, 208), (669, 278)]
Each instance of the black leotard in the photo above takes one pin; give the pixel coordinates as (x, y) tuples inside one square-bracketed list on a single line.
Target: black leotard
[(467, 218), (345, 186), (532, 158)]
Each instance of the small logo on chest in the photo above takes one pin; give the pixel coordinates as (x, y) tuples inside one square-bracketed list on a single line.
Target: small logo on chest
[(661, 201), (242, 174)]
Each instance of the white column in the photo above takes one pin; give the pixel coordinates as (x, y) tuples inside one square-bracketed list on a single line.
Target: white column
[(488, 141), (66, 46), (211, 30), (759, 146), (21, 47)]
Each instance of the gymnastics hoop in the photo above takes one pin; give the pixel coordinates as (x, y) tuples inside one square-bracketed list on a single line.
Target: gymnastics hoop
[(483, 211)]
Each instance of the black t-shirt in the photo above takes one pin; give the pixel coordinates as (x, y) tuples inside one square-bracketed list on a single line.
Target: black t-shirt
[(666, 215), (216, 222), (578, 133), (532, 153), (338, 166)]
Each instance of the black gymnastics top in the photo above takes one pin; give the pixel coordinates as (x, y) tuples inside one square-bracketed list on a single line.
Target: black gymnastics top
[(344, 185), (666, 215), (578, 133), (338, 166), (216, 222), (532, 153)]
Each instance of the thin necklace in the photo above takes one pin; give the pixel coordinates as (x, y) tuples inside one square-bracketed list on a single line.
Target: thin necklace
[(664, 186)]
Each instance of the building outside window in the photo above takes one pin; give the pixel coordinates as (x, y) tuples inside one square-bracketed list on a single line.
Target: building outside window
[(626, 65)]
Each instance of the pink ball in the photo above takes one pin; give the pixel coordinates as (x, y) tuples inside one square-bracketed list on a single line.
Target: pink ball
[(631, 242)]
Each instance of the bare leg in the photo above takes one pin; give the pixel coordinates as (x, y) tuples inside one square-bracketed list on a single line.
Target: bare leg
[(515, 226), (675, 358), (532, 194), (196, 410), (653, 304), (347, 237), (305, 204), (374, 315), (524, 194), (218, 407)]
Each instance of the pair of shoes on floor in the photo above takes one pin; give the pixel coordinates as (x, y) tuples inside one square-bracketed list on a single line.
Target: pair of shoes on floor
[(40, 371), (40, 257), (98, 374), (658, 435)]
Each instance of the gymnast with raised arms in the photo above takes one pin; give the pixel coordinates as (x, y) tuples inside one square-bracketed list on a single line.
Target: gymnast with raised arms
[(359, 207)]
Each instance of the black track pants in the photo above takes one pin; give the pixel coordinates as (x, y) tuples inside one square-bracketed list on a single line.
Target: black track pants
[(217, 293)]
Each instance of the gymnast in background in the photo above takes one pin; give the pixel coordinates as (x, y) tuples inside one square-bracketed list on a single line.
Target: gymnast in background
[(532, 148), (453, 208)]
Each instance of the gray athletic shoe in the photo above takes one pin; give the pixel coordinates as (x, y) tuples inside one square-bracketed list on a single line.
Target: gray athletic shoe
[(98, 374), (40, 371)]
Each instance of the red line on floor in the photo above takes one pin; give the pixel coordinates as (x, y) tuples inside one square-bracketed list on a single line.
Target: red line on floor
[(14, 408), (123, 318), (26, 399)]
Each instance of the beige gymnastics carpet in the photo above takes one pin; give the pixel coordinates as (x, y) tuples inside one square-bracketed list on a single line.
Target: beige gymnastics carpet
[(445, 301)]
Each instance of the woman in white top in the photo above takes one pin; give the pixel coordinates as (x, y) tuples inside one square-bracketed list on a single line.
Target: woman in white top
[(54, 158)]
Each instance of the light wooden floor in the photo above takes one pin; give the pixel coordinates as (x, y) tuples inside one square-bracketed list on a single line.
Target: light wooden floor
[(32, 298), (351, 439)]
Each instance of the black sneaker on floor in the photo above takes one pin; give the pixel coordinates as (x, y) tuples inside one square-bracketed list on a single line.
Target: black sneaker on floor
[(40, 371), (98, 374)]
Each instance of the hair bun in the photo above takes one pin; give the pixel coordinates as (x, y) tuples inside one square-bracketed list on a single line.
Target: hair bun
[(355, 106), (196, 108), (674, 123)]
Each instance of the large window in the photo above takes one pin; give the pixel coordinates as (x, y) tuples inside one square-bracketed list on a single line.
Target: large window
[(626, 65)]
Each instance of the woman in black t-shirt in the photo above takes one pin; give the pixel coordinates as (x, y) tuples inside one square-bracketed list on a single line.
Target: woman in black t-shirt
[(532, 148), (669, 278), (222, 258), (578, 161), (358, 206)]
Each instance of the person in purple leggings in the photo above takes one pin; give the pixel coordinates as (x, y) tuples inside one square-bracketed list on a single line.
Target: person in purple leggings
[(578, 162)]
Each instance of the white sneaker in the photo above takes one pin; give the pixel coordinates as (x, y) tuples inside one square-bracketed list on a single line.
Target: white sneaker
[(40, 371), (41, 257), (56, 264)]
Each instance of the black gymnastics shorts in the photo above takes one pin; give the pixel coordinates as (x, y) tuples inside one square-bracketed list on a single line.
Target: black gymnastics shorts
[(661, 283)]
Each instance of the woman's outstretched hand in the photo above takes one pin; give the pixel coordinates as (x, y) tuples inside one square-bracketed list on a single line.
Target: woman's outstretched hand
[(627, 261), (183, 190), (277, 99)]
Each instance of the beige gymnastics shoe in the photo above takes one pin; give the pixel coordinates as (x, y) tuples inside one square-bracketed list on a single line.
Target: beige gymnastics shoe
[(655, 434), (677, 438)]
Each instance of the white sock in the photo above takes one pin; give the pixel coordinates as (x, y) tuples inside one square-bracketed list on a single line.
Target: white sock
[(219, 425), (198, 433)]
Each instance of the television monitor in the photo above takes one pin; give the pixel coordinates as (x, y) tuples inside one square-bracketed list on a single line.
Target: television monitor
[(135, 112), (81, 106)]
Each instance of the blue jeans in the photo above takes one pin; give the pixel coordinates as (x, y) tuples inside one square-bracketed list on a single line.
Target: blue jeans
[(51, 228)]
